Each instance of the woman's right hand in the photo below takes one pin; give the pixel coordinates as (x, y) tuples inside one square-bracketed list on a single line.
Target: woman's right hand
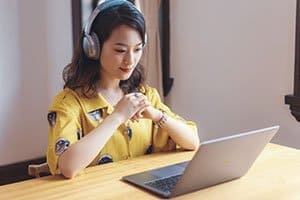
[(129, 105)]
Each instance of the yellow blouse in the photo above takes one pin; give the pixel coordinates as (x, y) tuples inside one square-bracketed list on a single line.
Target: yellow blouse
[(72, 116)]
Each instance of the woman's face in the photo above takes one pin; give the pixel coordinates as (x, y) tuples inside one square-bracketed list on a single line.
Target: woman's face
[(121, 53)]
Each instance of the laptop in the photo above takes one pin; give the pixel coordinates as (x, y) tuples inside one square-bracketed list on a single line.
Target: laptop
[(216, 161)]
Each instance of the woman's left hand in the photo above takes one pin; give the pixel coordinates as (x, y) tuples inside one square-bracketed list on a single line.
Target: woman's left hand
[(148, 112)]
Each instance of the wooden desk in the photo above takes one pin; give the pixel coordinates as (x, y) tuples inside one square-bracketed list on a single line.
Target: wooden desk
[(275, 175)]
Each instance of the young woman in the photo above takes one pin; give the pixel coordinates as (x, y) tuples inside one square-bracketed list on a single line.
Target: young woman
[(106, 112)]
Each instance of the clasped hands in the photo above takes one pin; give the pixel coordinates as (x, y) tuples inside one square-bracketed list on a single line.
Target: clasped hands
[(135, 106)]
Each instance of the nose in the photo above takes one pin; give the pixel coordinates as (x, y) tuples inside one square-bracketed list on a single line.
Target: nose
[(129, 58)]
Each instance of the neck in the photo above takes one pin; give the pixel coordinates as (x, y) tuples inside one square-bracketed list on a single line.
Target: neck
[(110, 85), (111, 91)]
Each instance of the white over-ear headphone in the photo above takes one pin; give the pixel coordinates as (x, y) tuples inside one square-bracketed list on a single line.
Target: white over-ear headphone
[(91, 44)]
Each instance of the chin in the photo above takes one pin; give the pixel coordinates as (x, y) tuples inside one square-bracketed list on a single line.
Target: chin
[(125, 77)]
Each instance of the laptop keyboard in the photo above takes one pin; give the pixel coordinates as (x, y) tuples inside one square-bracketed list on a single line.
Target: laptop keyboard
[(165, 184)]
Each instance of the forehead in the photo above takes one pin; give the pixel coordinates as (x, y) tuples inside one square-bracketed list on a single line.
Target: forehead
[(125, 34)]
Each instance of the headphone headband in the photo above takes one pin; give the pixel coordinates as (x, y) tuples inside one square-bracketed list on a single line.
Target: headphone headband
[(91, 18), (91, 44), (101, 7)]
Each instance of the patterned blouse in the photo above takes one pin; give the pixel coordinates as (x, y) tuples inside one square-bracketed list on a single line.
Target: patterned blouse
[(71, 116)]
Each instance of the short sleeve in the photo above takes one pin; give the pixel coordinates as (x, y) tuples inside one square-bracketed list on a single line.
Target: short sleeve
[(161, 140), (64, 128)]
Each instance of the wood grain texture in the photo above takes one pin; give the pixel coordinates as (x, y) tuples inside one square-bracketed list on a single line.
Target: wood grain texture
[(274, 175)]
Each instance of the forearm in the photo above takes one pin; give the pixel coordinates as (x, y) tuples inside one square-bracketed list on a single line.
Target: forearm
[(79, 155), (184, 135)]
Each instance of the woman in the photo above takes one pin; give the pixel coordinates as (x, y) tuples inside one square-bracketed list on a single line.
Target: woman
[(106, 113)]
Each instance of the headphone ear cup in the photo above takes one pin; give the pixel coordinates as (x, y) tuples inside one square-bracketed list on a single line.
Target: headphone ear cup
[(96, 46), (91, 46), (86, 45)]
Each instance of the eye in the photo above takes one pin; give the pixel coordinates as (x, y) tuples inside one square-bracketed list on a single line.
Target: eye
[(138, 49), (120, 50)]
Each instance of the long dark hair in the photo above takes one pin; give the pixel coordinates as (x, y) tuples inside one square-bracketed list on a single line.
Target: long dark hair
[(83, 74)]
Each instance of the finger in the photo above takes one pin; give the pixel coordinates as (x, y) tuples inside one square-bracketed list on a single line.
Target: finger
[(137, 95), (131, 96), (141, 105), (138, 104), (139, 110), (135, 118), (144, 102), (139, 113), (134, 94), (132, 119), (143, 109), (148, 103), (135, 102), (144, 105)]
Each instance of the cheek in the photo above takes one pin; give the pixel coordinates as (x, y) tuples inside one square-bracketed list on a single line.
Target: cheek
[(138, 57), (110, 58)]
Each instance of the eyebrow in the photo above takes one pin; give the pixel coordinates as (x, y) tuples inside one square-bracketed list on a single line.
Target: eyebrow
[(125, 45)]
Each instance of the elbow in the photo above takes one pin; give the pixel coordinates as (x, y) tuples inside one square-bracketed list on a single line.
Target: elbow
[(194, 144), (197, 143), (191, 147), (66, 170), (68, 173), (195, 140)]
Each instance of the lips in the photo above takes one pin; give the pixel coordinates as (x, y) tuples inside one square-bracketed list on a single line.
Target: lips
[(125, 69)]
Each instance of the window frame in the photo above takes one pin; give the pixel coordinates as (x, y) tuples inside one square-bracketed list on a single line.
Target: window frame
[(294, 100)]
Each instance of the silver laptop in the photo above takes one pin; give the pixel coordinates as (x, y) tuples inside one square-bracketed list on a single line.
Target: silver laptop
[(216, 161)]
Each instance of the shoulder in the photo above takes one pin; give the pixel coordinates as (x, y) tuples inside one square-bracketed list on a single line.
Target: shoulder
[(152, 95), (150, 92), (66, 99)]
